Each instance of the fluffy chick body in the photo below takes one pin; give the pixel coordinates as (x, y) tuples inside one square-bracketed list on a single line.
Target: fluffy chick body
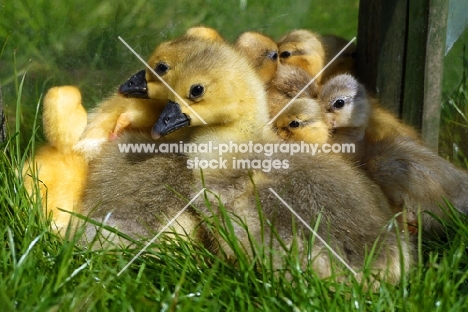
[(412, 176)]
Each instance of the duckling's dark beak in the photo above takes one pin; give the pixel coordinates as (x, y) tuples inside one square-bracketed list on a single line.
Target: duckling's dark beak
[(135, 87), (170, 120)]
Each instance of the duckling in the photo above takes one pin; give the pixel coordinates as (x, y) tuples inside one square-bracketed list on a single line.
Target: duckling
[(139, 193), (304, 49), (262, 51), (111, 117), (343, 64), (347, 111), (146, 215), (204, 32), (348, 105), (417, 180), (60, 171), (167, 56), (137, 85), (356, 118), (61, 108), (392, 154), (145, 84), (303, 121), (234, 110), (140, 100), (289, 83)]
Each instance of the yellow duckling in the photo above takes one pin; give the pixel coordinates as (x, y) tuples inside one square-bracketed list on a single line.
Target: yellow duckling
[(58, 170), (262, 51)]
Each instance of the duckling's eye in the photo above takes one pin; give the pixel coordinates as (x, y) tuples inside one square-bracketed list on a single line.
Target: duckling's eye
[(161, 68), (338, 103), (294, 124), (196, 91), (273, 55), (285, 54)]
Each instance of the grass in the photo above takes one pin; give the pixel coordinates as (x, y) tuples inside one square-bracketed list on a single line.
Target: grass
[(46, 43), (40, 271)]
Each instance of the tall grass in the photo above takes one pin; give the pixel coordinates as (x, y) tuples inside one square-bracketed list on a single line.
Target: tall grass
[(40, 271)]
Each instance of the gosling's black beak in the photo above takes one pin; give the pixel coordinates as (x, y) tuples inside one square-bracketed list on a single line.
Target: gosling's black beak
[(170, 120), (135, 87)]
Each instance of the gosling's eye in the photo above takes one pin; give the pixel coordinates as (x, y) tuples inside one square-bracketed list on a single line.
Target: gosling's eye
[(196, 91), (294, 124), (285, 54), (338, 103), (161, 68), (273, 55)]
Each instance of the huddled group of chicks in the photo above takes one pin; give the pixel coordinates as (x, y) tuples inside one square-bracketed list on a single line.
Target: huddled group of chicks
[(353, 200)]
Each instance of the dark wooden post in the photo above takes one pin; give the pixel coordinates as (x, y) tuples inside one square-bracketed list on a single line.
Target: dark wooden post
[(436, 36), (381, 47), (400, 51)]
